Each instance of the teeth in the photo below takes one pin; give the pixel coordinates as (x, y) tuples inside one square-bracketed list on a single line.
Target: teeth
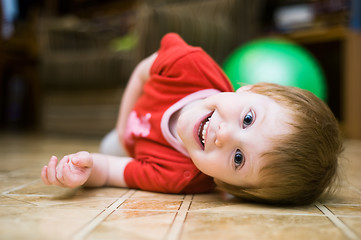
[(204, 131)]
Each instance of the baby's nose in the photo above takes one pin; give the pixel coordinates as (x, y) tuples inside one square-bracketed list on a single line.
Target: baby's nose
[(223, 135)]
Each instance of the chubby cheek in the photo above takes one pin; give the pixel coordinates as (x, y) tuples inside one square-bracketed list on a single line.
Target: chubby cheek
[(206, 164), (200, 161), (204, 168), (181, 127)]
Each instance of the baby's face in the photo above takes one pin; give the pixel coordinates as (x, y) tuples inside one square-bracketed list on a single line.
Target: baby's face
[(227, 133)]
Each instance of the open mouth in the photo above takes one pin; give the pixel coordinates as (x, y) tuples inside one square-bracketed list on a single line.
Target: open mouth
[(202, 130)]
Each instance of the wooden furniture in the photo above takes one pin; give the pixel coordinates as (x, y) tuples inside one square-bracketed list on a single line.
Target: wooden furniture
[(343, 71), (352, 85)]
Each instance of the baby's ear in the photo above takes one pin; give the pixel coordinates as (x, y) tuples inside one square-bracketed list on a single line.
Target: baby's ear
[(244, 89)]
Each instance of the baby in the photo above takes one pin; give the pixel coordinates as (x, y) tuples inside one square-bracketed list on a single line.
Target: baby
[(186, 131)]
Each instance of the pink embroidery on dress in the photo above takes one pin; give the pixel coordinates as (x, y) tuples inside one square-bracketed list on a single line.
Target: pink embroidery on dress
[(137, 126)]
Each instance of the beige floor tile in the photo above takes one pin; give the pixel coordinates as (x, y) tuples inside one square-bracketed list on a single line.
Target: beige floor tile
[(354, 223), (110, 192), (212, 197), (155, 195), (41, 195), (345, 210), (7, 183), (254, 226), (76, 202), (346, 194), (243, 208), (42, 223), (145, 204), (37, 187), (8, 201), (134, 225), (26, 172)]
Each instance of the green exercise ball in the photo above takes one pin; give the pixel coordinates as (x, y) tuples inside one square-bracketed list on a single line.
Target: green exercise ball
[(276, 61)]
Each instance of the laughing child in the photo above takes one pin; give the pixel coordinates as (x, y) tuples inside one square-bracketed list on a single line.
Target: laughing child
[(186, 131)]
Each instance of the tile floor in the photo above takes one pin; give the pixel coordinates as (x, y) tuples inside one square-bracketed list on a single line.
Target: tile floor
[(31, 210)]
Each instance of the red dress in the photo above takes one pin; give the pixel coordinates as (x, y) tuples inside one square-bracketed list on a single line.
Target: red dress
[(179, 75)]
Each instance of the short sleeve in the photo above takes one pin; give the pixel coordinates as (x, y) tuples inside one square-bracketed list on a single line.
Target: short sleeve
[(166, 170), (151, 176)]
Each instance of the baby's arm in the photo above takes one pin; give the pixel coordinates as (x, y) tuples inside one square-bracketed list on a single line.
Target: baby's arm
[(108, 171), (85, 169), (133, 91)]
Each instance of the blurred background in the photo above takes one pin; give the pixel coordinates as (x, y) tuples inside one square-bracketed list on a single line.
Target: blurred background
[(64, 63)]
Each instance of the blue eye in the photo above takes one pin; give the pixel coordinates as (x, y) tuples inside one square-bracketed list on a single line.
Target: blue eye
[(248, 119), (238, 158)]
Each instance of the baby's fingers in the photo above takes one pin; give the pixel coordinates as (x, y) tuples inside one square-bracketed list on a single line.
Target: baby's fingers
[(69, 178), (44, 175), (48, 173), (82, 159), (51, 170), (59, 168)]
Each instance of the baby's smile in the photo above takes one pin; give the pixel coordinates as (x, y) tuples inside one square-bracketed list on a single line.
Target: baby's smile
[(202, 129)]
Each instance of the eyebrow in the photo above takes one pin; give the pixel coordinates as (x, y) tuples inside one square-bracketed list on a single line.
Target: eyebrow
[(264, 114)]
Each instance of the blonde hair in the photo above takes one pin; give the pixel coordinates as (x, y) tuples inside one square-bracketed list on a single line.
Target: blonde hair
[(302, 165)]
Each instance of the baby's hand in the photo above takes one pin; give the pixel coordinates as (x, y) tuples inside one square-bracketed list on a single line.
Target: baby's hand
[(72, 171)]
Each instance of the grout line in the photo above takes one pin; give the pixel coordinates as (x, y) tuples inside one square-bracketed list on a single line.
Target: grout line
[(20, 200), (50, 196), (176, 228), (102, 216), (343, 227), (28, 195), (343, 204), (19, 187), (348, 216)]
